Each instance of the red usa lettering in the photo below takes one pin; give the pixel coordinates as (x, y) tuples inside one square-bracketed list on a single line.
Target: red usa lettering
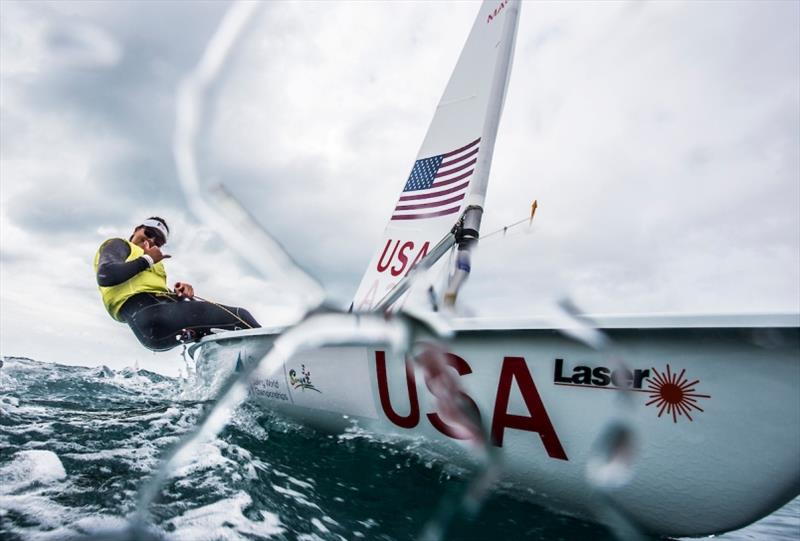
[(513, 372), (402, 252)]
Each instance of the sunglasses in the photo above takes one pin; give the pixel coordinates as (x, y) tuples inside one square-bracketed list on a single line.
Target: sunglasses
[(154, 235)]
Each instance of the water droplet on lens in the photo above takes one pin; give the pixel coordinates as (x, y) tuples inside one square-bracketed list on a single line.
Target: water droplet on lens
[(610, 465)]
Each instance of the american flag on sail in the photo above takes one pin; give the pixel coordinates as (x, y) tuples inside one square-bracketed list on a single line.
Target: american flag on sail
[(437, 185)]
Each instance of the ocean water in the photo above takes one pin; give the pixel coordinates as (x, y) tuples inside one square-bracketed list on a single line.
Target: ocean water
[(77, 443)]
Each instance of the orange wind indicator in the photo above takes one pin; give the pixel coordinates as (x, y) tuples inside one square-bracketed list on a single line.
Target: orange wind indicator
[(507, 228)]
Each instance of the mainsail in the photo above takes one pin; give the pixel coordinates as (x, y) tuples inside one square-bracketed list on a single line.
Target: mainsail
[(451, 171)]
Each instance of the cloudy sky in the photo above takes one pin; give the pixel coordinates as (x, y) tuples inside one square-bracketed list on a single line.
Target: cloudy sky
[(661, 139)]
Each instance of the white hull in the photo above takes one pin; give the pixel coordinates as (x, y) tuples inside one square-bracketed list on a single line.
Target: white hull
[(723, 453)]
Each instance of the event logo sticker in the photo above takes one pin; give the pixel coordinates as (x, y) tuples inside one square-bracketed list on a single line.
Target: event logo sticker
[(303, 382)]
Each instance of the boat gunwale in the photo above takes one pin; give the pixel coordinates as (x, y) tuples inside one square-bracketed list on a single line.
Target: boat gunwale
[(603, 322)]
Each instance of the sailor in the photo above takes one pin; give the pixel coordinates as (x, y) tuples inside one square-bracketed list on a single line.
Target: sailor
[(133, 286)]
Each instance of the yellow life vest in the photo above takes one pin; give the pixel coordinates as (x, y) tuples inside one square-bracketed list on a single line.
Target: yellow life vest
[(152, 280)]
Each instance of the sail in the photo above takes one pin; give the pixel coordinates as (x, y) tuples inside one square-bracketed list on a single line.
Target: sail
[(451, 170)]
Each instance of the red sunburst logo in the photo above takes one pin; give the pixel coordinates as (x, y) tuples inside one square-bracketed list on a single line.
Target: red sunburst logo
[(674, 393)]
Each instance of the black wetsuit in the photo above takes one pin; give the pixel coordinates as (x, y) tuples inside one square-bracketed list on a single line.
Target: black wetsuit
[(157, 319)]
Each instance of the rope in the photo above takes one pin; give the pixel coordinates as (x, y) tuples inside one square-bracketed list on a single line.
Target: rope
[(225, 309), (505, 228), (170, 296)]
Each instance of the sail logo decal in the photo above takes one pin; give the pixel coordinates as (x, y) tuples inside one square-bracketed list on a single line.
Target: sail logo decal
[(397, 258), (671, 393), (437, 185), (674, 393), (304, 381), (397, 262), (496, 11)]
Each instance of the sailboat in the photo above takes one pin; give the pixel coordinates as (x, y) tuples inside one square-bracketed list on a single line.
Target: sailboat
[(713, 401)]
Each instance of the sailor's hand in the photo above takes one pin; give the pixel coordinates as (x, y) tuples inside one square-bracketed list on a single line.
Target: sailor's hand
[(184, 290), (154, 251)]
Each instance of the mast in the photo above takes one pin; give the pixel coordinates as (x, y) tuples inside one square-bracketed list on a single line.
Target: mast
[(470, 225), (497, 97)]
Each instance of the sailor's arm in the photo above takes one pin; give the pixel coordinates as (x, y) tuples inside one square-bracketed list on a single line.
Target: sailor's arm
[(112, 269)]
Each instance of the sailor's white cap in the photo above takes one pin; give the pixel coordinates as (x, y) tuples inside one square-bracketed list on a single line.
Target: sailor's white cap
[(157, 224)]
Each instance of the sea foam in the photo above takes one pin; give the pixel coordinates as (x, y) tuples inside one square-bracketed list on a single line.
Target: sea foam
[(30, 468)]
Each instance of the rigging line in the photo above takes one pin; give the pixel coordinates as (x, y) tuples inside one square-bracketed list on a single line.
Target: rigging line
[(511, 235), (506, 228), (224, 308), (529, 219), (171, 296)]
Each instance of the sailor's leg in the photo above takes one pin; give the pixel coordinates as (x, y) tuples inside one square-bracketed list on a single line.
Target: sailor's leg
[(203, 316), (157, 326)]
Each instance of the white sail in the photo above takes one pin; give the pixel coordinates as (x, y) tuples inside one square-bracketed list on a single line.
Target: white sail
[(452, 167)]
